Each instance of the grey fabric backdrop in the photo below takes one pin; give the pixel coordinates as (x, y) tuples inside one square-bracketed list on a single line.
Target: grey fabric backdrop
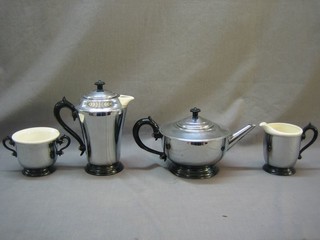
[(239, 61)]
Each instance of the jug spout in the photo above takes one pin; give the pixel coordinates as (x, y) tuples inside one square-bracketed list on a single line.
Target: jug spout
[(125, 99), (281, 129), (269, 129), (239, 135)]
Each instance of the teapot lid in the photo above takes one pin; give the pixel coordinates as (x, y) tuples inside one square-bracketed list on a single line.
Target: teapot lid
[(194, 128), (100, 100)]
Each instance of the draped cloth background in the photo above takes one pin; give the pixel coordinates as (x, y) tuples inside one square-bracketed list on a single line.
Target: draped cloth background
[(239, 61)]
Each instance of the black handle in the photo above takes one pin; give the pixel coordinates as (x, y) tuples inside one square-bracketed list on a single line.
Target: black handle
[(156, 134), (64, 103), (315, 135), (60, 141), (11, 142)]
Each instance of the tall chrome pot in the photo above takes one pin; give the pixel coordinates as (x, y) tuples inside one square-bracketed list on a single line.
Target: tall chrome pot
[(101, 115)]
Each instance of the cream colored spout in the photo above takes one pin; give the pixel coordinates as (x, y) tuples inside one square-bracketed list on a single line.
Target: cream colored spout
[(268, 129), (281, 129), (125, 99)]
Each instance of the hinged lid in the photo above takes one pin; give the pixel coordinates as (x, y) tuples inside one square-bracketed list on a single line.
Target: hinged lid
[(100, 100), (194, 128)]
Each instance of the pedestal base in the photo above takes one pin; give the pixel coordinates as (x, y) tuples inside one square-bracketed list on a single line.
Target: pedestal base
[(279, 171), (38, 172), (104, 170), (192, 172)]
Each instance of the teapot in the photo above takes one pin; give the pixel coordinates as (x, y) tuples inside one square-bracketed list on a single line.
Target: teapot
[(192, 145), (101, 116)]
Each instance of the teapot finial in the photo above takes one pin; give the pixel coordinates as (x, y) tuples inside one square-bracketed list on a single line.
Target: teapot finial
[(195, 112), (99, 85)]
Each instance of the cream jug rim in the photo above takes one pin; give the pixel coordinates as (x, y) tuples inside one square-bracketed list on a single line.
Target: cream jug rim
[(281, 129)]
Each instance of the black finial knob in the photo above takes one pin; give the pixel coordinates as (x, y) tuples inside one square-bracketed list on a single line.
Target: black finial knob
[(195, 112), (99, 85)]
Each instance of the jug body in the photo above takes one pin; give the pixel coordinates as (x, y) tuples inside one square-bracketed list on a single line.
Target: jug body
[(103, 137), (282, 146), (281, 151), (101, 115)]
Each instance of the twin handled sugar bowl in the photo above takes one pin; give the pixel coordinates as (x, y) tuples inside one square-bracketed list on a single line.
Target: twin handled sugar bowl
[(192, 145), (101, 116), (37, 149)]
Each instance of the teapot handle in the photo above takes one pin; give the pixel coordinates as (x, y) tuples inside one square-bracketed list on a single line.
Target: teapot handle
[(156, 134), (64, 103), (315, 135), (12, 143)]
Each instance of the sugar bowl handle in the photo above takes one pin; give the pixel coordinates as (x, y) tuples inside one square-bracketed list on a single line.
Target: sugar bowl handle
[(60, 141), (11, 142), (156, 134)]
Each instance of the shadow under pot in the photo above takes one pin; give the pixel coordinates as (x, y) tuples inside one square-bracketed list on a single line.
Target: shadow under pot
[(193, 145), (36, 149)]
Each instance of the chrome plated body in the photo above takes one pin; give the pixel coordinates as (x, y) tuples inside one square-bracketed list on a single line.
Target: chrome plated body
[(281, 152), (282, 146), (101, 115), (36, 155), (194, 153), (193, 145), (103, 136)]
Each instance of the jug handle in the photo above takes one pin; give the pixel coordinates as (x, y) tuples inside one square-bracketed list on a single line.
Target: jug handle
[(156, 134), (64, 103), (303, 136), (11, 142)]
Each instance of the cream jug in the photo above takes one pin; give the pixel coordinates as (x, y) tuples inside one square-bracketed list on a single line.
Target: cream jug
[(282, 146), (101, 116)]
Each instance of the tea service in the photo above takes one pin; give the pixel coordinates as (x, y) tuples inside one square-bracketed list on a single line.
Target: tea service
[(191, 147)]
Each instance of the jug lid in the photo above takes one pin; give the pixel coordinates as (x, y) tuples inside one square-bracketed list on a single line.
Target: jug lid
[(100, 100), (194, 128)]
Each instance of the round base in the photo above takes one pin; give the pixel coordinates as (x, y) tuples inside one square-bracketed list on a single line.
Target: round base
[(279, 171), (104, 170), (38, 172), (193, 172)]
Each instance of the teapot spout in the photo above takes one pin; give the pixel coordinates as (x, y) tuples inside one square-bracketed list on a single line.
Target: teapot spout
[(239, 135), (125, 99)]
